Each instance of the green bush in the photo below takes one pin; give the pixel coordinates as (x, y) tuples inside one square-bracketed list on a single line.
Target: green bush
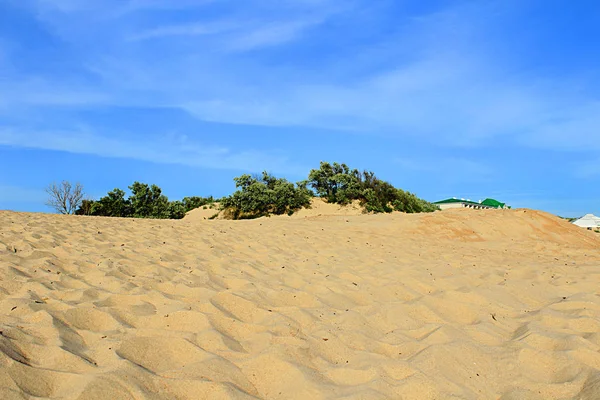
[(113, 204), (265, 195), (191, 203), (176, 210), (86, 207), (409, 203), (337, 183), (146, 201)]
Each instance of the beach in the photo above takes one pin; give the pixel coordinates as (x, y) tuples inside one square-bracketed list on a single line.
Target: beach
[(326, 304)]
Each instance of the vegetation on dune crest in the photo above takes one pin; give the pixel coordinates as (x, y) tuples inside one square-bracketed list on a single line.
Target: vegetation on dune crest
[(255, 196), (336, 183), (339, 184), (146, 201), (259, 196), (191, 203)]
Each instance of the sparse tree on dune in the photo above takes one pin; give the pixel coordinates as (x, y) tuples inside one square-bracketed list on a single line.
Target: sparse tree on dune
[(338, 183), (65, 198), (86, 207), (263, 195)]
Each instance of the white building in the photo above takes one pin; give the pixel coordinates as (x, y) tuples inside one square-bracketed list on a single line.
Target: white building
[(467, 203), (589, 221)]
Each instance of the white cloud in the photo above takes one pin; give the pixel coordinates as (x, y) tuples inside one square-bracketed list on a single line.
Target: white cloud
[(437, 76), (450, 107), (235, 35), (270, 34), (195, 29), (168, 149), (570, 127), (114, 8), (65, 6), (137, 5)]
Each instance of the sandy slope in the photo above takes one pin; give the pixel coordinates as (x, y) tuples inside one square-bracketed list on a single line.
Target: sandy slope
[(452, 305), (318, 208), (203, 214)]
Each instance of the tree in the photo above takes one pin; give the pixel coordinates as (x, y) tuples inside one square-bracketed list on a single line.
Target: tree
[(176, 210), (113, 204), (148, 201), (145, 201), (64, 197), (259, 196), (337, 183), (340, 184), (409, 203), (86, 207)]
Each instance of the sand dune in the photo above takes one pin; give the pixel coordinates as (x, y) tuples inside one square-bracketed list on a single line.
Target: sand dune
[(319, 208), (452, 305)]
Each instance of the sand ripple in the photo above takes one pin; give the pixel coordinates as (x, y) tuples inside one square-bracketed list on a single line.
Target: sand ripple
[(490, 305)]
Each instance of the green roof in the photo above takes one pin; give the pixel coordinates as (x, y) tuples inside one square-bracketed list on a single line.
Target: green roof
[(487, 202), (493, 203)]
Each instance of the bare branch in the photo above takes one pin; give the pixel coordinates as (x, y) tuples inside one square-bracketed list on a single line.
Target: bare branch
[(64, 197)]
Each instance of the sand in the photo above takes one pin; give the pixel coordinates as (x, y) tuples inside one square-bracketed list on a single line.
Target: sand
[(452, 305), (318, 208)]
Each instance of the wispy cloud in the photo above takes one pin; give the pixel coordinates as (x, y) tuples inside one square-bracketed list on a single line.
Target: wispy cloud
[(195, 29), (138, 5), (235, 35), (115, 8), (271, 34), (568, 127), (458, 96), (438, 76), (165, 149)]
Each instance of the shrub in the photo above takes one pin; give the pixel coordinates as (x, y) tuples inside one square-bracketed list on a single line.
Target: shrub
[(113, 204), (191, 203), (337, 183), (265, 195), (409, 203), (86, 207), (146, 201), (176, 210)]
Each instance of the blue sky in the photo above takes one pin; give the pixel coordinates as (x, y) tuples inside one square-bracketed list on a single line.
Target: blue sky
[(443, 98)]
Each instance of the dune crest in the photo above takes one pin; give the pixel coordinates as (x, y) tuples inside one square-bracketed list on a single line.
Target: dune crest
[(328, 303), (318, 208)]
